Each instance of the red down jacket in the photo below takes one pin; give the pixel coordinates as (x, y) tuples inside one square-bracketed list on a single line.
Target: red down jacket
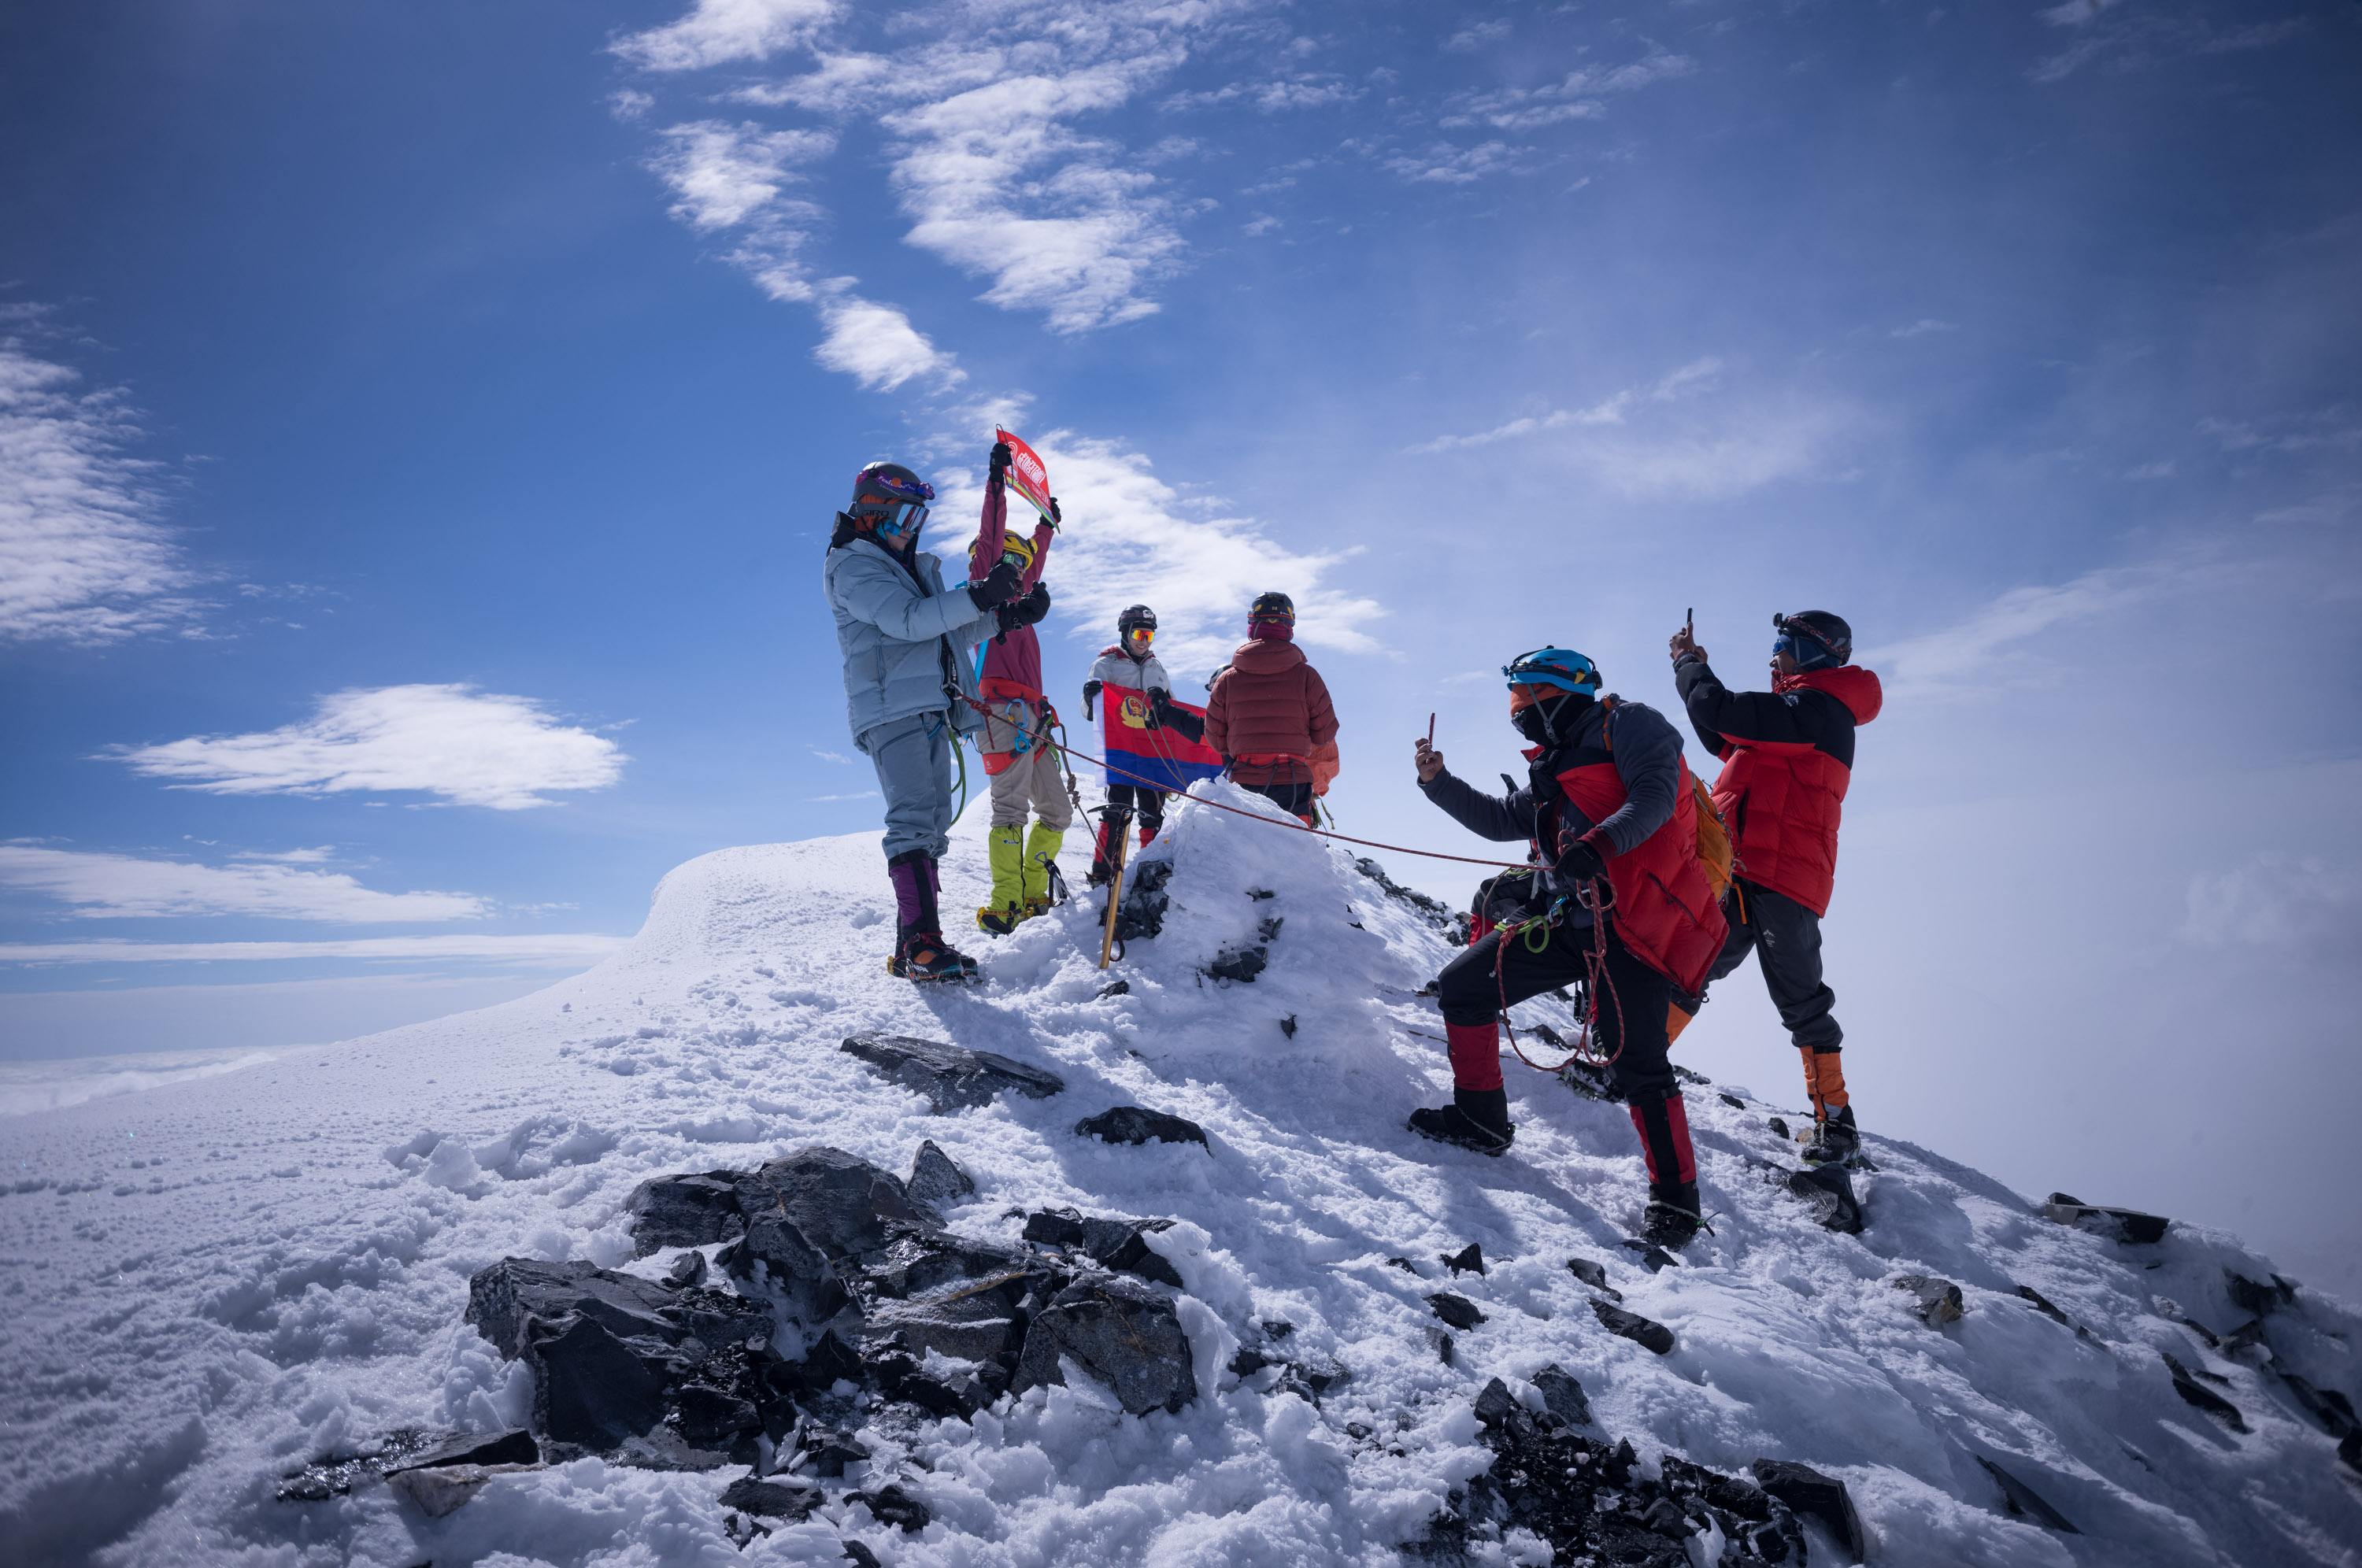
[(1787, 757), (1271, 703)]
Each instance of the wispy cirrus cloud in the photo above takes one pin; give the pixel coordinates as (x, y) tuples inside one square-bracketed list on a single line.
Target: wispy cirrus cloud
[(101, 886), (2117, 38), (1575, 96), (558, 947), (84, 555), (726, 173), (725, 32), (1673, 437), (473, 748)]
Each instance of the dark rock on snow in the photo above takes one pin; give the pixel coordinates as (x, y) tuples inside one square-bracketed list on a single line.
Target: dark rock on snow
[(2196, 1392), (837, 1202), (2257, 1300), (1121, 988), (1589, 1500), (1144, 901), (776, 1498), (860, 1555), (1131, 1124), (334, 1474), (472, 1448), (1562, 1397), (2042, 1305), (935, 1180), (949, 1078), (1652, 1257), (685, 1211), (1441, 1344), (1238, 963), (1123, 1334), (2327, 1405), (1935, 1301), (1115, 1243), (1815, 1495), (1457, 1310), (1644, 1332), (894, 1506), (1470, 1259), (622, 1364), (2024, 1501), (1779, 1125), (1830, 1192), (1594, 1275), (687, 1269), (2118, 1224)]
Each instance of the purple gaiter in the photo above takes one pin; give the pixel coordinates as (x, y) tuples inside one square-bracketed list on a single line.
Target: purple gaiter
[(910, 903)]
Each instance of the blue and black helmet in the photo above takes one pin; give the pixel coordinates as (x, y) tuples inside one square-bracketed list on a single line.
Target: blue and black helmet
[(1562, 668)]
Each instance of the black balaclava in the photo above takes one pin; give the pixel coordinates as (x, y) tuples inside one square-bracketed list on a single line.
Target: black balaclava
[(1549, 721)]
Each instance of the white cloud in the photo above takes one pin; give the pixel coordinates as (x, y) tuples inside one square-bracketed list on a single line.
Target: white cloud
[(1477, 36), (877, 345), (1986, 652), (1574, 97), (829, 755), (555, 948), (478, 749), (723, 174), (721, 32), (103, 886), (857, 795), (999, 185), (2295, 906), (1448, 165), (1131, 540), (1922, 327), (2335, 429), (1673, 438), (83, 559)]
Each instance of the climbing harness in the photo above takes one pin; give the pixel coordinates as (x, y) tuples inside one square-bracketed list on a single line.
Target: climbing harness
[(1598, 896)]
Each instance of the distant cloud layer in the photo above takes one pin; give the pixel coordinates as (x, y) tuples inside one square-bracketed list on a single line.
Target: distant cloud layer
[(473, 748), (83, 557), (573, 948), (121, 886)]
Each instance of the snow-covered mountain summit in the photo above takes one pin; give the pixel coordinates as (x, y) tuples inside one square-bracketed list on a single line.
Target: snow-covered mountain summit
[(210, 1285)]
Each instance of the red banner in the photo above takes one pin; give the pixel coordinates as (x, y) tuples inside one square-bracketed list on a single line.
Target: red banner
[(1028, 475)]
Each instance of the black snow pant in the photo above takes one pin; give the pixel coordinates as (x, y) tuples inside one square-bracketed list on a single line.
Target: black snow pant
[(1145, 803), (1785, 938), (1631, 1003), (1297, 798)]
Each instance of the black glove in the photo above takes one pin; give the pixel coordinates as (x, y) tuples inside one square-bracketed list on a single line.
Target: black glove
[(1091, 695), (1056, 516), (1000, 461), (1034, 607), (1155, 718), (1581, 861), (997, 588)]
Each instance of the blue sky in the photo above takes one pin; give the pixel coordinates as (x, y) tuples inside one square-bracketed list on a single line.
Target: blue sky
[(421, 425)]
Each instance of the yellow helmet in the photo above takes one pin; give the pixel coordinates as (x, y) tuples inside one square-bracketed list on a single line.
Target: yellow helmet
[(1017, 548)]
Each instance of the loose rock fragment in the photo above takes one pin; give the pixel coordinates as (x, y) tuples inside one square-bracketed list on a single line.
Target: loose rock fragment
[(949, 1078), (1938, 1301), (1470, 1259), (1132, 1124), (1830, 1192), (1123, 1334), (935, 1180), (1645, 1331), (2195, 1393), (2118, 1224), (1815, 1496), (1457, 1310), (778, 1497)]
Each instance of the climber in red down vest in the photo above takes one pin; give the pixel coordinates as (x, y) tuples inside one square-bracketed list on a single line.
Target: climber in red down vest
[(1609, 808), (1787, 757)]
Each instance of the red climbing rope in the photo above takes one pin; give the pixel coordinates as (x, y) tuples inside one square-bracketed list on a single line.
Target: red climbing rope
[(1256, 816)]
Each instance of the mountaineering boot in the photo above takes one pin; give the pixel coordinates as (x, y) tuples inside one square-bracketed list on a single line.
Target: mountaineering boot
[(1005, 847), (1834, 1139), (920, 951), (934, 893), (1672, 1220), (1040, 871), (1476, 1119)]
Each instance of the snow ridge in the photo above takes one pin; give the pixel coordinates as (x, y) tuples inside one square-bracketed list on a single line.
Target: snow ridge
[(209, 1284)]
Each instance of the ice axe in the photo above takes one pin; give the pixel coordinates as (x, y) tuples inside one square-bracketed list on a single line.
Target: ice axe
[(1121, 821)]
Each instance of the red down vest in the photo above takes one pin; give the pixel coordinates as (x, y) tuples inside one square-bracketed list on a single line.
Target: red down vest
[(1665, 909), (1783, 799)]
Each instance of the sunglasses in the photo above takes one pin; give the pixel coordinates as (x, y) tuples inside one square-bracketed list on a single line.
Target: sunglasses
[(1142, 634)]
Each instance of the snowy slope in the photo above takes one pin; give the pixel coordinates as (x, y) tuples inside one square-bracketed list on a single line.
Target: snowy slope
[(208, 1284)]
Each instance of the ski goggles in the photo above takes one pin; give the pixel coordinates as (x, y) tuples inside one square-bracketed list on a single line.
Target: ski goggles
[(1141, 635), (1794, 634)]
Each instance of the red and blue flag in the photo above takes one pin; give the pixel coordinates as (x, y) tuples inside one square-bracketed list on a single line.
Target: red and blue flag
[(1161, 759)]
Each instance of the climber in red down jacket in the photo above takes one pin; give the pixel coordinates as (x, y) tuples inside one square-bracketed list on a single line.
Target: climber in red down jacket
[(1787, 757), (1269, 715)]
